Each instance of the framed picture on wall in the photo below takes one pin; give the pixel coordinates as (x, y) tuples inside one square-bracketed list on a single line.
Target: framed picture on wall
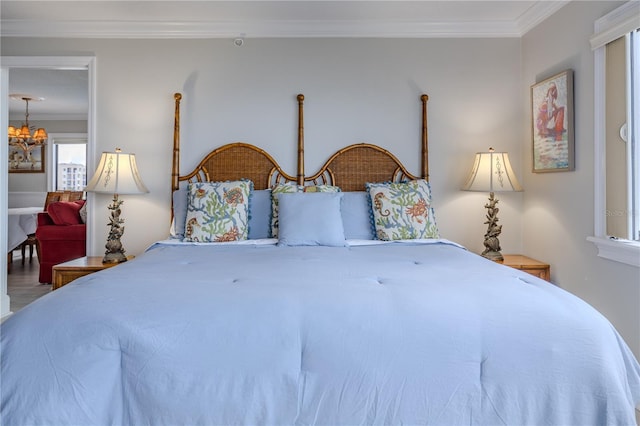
[(31, 161), (552, 124)]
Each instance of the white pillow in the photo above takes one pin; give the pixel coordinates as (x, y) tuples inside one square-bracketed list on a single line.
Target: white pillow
[(290, 188), (311, 219), (83, 213), (179, 213), (260, 214), (356, 216)]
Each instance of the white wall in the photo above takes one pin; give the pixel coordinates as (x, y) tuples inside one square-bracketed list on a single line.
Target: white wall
[(356, 90), (558, 207), (26, 199)]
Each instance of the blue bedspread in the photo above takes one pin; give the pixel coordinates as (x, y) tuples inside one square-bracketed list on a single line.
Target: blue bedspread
[(260, 334)]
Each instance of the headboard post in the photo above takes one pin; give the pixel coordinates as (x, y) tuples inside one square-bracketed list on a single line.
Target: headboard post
[(425, 146), (300, 176), (175, 169)]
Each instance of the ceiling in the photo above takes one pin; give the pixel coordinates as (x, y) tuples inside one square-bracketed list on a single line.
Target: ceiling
[(65, 91), (65, 94), (266, 18)]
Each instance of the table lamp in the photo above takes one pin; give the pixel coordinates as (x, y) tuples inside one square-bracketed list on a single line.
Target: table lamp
[(117, 173), (492, 172)]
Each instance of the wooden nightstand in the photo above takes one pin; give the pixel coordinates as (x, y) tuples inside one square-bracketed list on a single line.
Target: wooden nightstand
[(529, 265), (66, 272)]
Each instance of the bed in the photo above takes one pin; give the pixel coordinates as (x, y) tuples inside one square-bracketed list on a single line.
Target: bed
[(312, 327)]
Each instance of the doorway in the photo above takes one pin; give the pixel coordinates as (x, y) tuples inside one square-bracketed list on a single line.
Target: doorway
[(14, 69)]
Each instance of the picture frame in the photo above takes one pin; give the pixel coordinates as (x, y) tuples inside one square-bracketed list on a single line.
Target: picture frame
[(552, 126), (31, 162)]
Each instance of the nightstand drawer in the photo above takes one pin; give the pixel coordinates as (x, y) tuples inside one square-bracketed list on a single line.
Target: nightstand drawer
[(66, 272), (61, 278), (540, 273), (528, 265)]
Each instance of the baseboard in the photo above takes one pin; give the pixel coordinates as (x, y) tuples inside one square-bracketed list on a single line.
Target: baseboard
[(4, 317)]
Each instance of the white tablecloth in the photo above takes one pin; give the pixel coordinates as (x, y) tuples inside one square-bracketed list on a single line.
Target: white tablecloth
[(22, 222)]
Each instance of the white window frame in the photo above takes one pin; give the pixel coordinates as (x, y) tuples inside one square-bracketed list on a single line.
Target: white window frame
[(633, 133), (60, 138), (610, 27)]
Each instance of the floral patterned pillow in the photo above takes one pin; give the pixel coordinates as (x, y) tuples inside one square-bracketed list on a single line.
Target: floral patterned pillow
[(218, 211), (402, 211), (288, 189)]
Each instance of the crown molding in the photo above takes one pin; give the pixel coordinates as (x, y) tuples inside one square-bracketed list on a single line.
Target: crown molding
[(616, 24), (535, 15), (254, 29), (310, 28)]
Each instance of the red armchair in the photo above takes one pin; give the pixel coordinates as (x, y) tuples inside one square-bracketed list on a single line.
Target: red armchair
[(61, 236)]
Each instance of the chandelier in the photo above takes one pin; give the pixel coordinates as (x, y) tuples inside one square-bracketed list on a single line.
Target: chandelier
[(21, 137)]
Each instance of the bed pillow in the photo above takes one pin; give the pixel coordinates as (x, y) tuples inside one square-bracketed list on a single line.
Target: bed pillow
[(65, 212), (288, 189), (218, 211), (179, 213), (356, 216), (310, 219), (83, 213), (402, 210), (260, 214)]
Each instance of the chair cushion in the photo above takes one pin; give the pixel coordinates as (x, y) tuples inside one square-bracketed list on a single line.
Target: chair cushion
[(65, 212)]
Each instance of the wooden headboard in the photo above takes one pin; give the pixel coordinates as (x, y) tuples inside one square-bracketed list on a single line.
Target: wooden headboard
[(349, 168)]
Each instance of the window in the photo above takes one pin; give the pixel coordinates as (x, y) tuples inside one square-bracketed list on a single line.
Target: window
[(617, 145), (633, 132), (622, 154), (71, 166), (68, 162)]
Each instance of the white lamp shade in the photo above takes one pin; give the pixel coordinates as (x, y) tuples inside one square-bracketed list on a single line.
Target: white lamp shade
[(117, 173), (492, 172)]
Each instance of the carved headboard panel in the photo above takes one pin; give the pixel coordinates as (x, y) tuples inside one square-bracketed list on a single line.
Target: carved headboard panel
[(353, 166), (239, 161)]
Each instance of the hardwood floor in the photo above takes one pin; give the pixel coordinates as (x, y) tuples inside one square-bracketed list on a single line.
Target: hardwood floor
[(22, 282)]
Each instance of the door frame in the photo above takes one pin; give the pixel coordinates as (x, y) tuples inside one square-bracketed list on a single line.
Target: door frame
[(46, 62)]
